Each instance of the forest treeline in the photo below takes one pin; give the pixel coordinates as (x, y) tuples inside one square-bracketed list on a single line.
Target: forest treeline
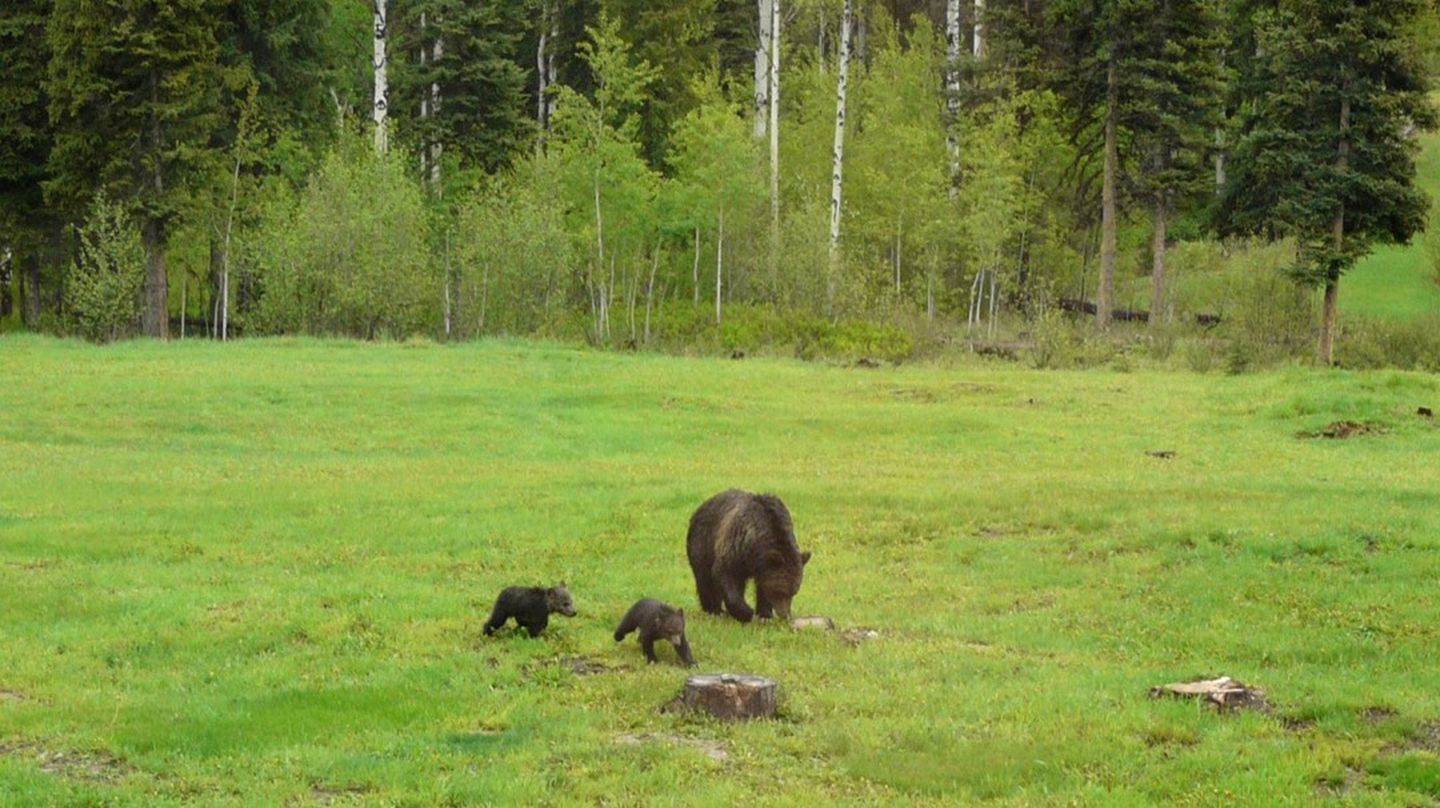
[(626, 168)]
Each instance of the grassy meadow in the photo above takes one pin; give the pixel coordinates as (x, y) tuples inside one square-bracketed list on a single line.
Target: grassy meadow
[(255, 574)]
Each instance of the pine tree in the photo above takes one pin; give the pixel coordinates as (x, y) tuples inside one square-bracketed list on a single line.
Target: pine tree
[(1136, 75), (459, 85), (25, 139), (1179, 103), (134, 97), (678, 35), (1329, 159)]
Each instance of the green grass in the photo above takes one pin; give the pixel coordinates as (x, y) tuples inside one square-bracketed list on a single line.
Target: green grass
[(255, 574), (1399, 282)]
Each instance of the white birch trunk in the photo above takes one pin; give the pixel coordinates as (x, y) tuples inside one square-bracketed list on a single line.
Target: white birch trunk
[(979, 51), (1219, 160), (696, 284), (381, 102), (1157, 266), (765, 19), (838, 173), (600, 261), (437, 148), (225, 263), (554, 76), (650, 290), (719, 261), (952, 86), (542, 76), (774, 123), (545, 65)]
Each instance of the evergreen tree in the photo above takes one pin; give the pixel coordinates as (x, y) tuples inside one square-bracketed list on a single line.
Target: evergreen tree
[(1180, 91), (1137, 75), (677, 34), (134, 88), (25, 139), (460, 86), (1328, 158)]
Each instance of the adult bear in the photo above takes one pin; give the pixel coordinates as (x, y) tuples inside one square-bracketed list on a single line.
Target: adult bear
[(736, 536)]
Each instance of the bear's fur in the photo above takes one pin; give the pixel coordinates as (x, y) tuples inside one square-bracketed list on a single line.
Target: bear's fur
[(531, 606), (735, 536), (656, 621)]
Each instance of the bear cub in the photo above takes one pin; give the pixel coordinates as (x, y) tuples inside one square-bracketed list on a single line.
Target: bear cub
[(531, 606), (657, 621)]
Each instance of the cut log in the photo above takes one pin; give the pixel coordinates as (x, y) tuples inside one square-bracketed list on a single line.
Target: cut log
[(730, 697)]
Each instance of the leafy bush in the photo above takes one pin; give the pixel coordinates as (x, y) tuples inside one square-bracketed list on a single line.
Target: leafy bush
[(105, 288), (510, 256), (1267, 319), (1366, 343), (351, 258)]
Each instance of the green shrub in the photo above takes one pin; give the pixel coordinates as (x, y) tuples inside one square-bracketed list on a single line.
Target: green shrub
[(509, 258), (104, 291), (1366, 343), (1268, 320), (351, 257), (1053, 340)]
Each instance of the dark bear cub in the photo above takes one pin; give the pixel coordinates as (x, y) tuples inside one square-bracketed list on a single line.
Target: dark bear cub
[(531, 606), (656, 621), (735, 536)]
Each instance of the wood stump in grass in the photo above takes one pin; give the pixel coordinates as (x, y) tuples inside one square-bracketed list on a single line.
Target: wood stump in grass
[(730, 697)]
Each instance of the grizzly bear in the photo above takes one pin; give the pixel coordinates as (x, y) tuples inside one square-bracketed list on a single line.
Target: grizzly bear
[(656, 620), (735, 536), (531, 606)]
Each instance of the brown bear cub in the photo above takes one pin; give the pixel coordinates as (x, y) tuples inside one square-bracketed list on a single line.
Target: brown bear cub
[(735, 536), (656, 621), (531, 606)]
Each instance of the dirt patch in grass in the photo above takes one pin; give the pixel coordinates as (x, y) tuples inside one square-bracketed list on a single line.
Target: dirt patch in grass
[(96, 766), (715, 750), (1376, 715), (583, 666), (578, 665), (1297, 724), (1426, 737), (954, 392), (1342, 430), (8, 696), (330, 794)]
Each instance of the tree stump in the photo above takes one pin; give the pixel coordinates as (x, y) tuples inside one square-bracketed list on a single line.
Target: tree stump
[(1223, 693), (730, 697)]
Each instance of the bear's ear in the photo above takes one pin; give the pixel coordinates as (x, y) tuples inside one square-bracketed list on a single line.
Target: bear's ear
[(681, 612), (805, 558), (561, 586)]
